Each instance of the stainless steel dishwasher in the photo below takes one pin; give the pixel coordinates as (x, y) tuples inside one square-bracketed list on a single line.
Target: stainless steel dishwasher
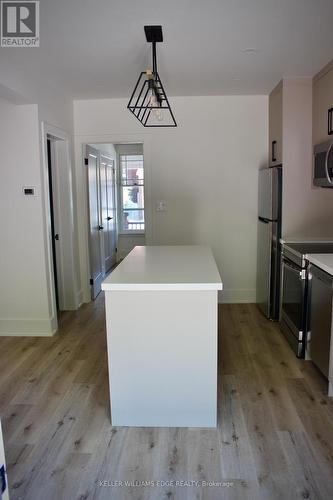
[(321, 285)]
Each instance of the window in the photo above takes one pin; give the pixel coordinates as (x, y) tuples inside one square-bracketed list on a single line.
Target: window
[(132, 213)]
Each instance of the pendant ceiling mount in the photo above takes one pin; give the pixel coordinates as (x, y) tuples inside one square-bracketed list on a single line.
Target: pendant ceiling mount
[(154, 34), (149, 102)]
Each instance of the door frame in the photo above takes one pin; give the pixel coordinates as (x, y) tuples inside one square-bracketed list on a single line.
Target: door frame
[(82, 195), (64, 202)]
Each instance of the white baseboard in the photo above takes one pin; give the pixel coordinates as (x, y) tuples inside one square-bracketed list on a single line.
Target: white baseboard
[(28, 327), (237, 296), (79, 298)]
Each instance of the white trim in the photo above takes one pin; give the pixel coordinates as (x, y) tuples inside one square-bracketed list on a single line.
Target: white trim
[(68, 301), (82, 194), (28, 327), (79, 298), (135, 232)]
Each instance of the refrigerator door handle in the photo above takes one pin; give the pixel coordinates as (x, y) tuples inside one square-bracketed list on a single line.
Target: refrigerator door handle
[(267, 221)]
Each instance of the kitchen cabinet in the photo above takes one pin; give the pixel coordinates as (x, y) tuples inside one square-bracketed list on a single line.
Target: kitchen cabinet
[(275, 125), (322, 102), (289, 107), (290, 126), (321, 303)]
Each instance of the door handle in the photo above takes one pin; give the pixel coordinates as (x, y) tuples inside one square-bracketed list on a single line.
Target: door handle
[(273, 151), (100, 228), (330, 121), (109, 218), (264, 220)]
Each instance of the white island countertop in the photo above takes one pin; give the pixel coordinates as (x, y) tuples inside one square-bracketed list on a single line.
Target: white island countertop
[(322, 260), (166, 268)]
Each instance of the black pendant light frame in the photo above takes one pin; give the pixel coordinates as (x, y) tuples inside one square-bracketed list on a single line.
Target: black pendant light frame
[(139, 103)]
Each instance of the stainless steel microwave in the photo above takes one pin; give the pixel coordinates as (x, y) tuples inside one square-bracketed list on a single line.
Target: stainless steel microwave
[(323, 165)]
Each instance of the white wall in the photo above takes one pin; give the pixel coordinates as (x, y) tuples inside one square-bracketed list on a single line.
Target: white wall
[(106, 149), (205, 170), (26, 285), (24, 301)]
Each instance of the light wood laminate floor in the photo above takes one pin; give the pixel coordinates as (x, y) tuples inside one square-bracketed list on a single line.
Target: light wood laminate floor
[(274, 439)]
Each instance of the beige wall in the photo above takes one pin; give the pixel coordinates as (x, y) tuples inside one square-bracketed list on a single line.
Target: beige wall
[(206, 170)]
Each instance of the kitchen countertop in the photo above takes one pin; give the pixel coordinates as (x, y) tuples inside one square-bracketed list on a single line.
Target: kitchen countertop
[(166, 268), (306, 239), (322, 260)]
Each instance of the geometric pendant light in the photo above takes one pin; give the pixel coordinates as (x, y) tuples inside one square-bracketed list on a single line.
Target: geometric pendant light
[(149, 102)]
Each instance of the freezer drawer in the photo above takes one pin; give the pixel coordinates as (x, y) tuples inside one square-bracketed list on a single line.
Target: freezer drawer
[(320, 318), (264, 266), (268, 268)]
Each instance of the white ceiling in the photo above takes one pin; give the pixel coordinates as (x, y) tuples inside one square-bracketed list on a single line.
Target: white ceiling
[(93, 49)]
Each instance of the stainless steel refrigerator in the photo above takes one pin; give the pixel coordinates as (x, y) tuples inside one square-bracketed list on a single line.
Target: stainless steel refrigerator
[(269, 247)]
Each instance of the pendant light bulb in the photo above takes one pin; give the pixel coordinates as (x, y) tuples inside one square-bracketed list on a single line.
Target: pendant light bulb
[(152, 99), (155, 106), (158, 114)]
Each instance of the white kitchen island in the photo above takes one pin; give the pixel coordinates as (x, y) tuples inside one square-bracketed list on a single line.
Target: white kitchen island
[(161, 318)]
